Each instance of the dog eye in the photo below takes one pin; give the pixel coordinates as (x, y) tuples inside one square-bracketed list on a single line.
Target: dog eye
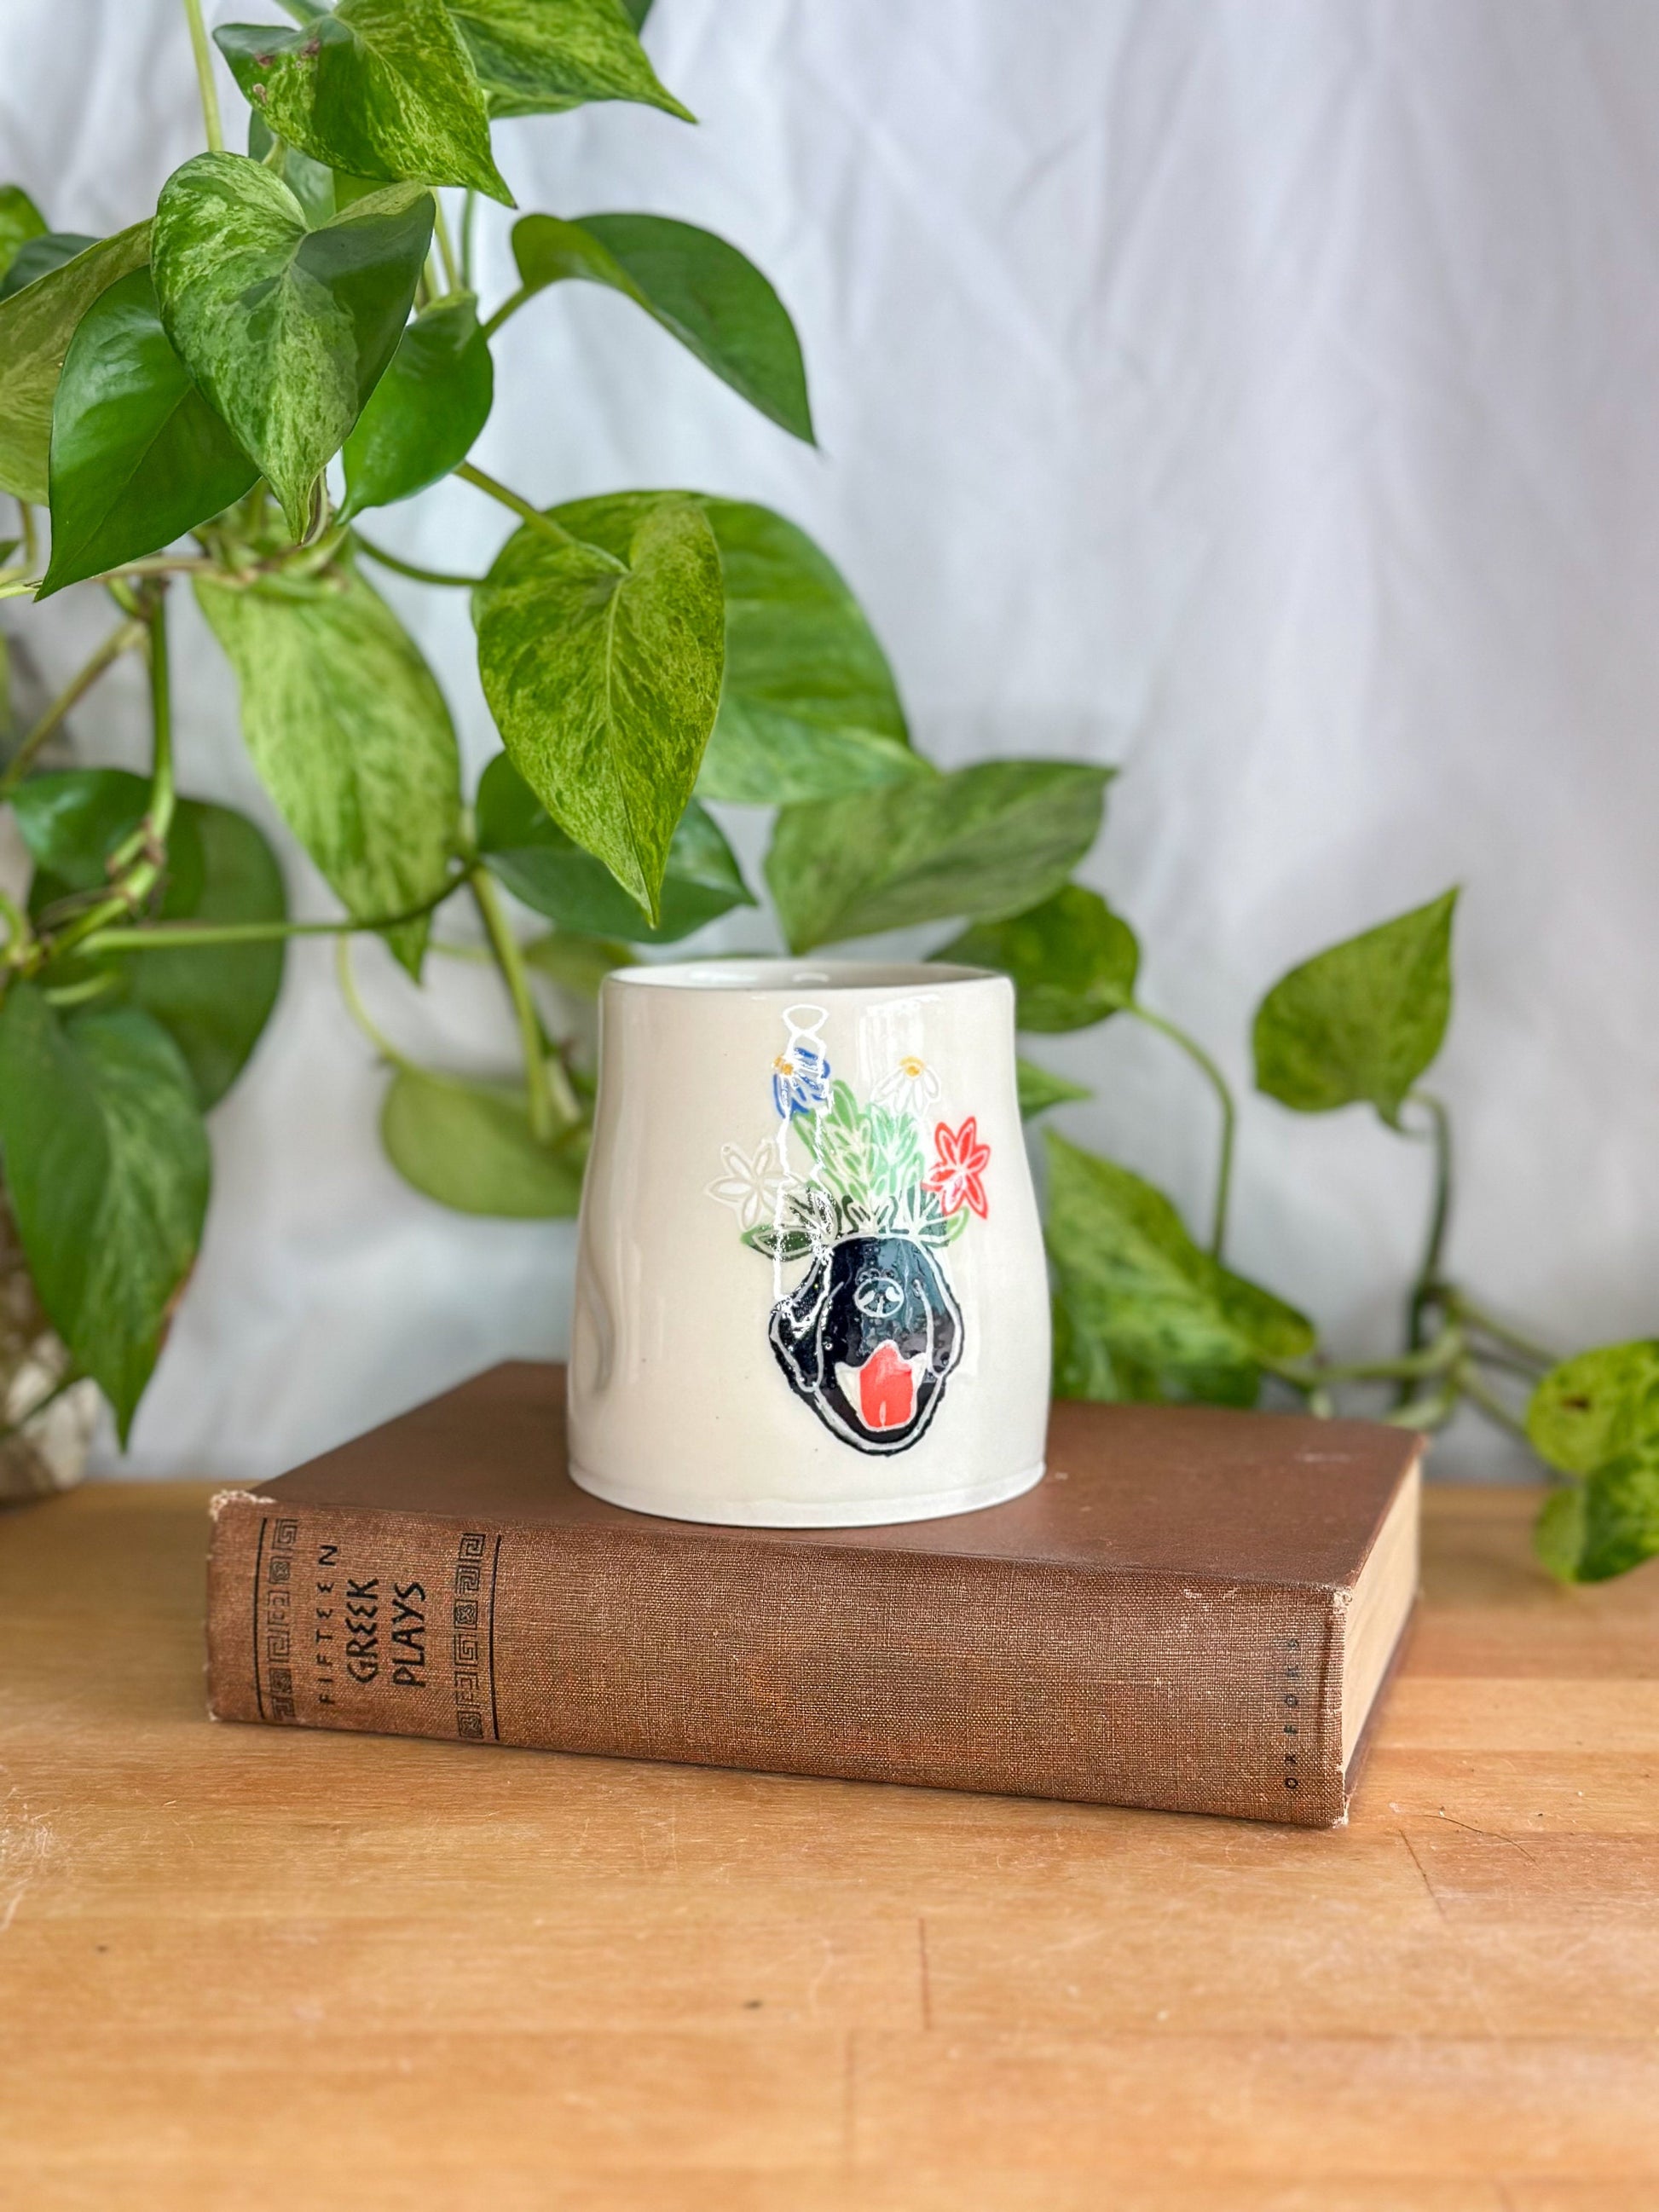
[(878, 1296)]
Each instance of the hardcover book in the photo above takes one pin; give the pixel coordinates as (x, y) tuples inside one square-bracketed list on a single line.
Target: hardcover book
[(1195, 1609)]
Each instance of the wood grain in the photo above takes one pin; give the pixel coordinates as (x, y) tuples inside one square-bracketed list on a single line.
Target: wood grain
[(242, 1967)]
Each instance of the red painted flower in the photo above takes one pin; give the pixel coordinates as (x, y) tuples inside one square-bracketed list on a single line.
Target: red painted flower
[(962, 1161)]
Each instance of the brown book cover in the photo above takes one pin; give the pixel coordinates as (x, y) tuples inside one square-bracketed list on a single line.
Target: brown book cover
[(1194, 1609)]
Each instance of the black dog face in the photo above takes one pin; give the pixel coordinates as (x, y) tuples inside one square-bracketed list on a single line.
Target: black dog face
[(868, 1338)]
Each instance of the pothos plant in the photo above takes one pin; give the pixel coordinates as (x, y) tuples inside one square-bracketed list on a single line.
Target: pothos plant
[(219, 394)]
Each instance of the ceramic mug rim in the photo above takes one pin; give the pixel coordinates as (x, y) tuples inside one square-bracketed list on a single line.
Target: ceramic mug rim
[(779, 978)]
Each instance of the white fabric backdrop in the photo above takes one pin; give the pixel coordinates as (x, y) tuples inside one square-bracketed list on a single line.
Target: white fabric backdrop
[(1259, 394)]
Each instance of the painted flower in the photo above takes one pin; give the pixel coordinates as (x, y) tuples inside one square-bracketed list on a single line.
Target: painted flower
[(911, 1088), (962, 1161), (800, 1078), (753, 1189)]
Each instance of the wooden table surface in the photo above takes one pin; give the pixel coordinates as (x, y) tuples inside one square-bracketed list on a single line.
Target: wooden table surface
[(260, 1968)]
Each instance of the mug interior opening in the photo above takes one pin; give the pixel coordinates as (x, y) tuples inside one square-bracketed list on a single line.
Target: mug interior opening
[(746, 975)]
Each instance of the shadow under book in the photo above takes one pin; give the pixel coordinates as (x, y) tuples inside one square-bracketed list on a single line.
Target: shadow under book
[(1194, 1610)]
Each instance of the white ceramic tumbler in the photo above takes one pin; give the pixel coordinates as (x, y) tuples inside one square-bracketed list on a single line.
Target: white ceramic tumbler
[(810, 1290)]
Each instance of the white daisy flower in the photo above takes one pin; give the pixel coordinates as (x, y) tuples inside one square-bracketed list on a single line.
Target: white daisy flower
[(911, 1088), (753, 1189)]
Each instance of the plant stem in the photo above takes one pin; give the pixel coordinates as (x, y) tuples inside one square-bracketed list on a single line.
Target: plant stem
[(522, 508), (172, 936), (31, 535), (1535, 1355), (120, 640), (402, 567), (210, 91), (510, 960), (1428, 1284), (441, 231), (1489, 1402), (158, 815), (1217, 1082), (509, 306), (1437, 1359), (19, 935), (468, 214), (360, 1013)]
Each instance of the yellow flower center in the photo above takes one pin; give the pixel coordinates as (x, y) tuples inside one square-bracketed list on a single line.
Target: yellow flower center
[(912, 1067), (783, 1066)]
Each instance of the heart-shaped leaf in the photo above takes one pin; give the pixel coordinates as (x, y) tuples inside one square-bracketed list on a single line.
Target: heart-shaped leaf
[(809, 709), (1039, 1089), (107, 1169), (537, 59), (469, 1146), (425, 413), (286, 330), (985, 841), (39, 257), (539, 864), (351, 737), (601, 656), (1132, 1279), (138, 457), (712, 298), (1591, 1408), (1362, 1021), (381, 88), (36, 325), (213, 1001), (1072, 960), (19, 221)]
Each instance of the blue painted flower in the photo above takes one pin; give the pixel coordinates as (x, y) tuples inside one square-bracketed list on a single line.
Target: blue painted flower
[(801, 1079)]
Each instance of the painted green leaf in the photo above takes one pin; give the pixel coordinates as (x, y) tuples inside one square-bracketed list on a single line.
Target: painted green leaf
[(1132, 1278), (709, 296), (425, 413), (1072, 960), (214, 1002), (601, 661), (107, 1169), (537, 58), (469, 1146), (19, 221), (286, 330), (986, 842), (809, 709), (1363, 1021), (351, 737), (382, 89), (1039, 1089), (539, 864), (576, 963), (36, 325), (1590, 1409), (138, 457)]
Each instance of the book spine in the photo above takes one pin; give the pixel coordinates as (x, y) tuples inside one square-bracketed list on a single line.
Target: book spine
[(882, 1664)]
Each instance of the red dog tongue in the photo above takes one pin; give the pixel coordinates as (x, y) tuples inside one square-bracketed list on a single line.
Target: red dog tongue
[(887, 1389)]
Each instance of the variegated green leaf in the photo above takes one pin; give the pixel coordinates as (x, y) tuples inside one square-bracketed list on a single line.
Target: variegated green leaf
[(379, 88), (286, 330), (538, 57), (36, 325)]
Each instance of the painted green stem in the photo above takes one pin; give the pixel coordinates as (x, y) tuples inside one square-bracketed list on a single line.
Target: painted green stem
[(510, 960), (119, 640), (210, 92), (445, 248), (1219, 1084)]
